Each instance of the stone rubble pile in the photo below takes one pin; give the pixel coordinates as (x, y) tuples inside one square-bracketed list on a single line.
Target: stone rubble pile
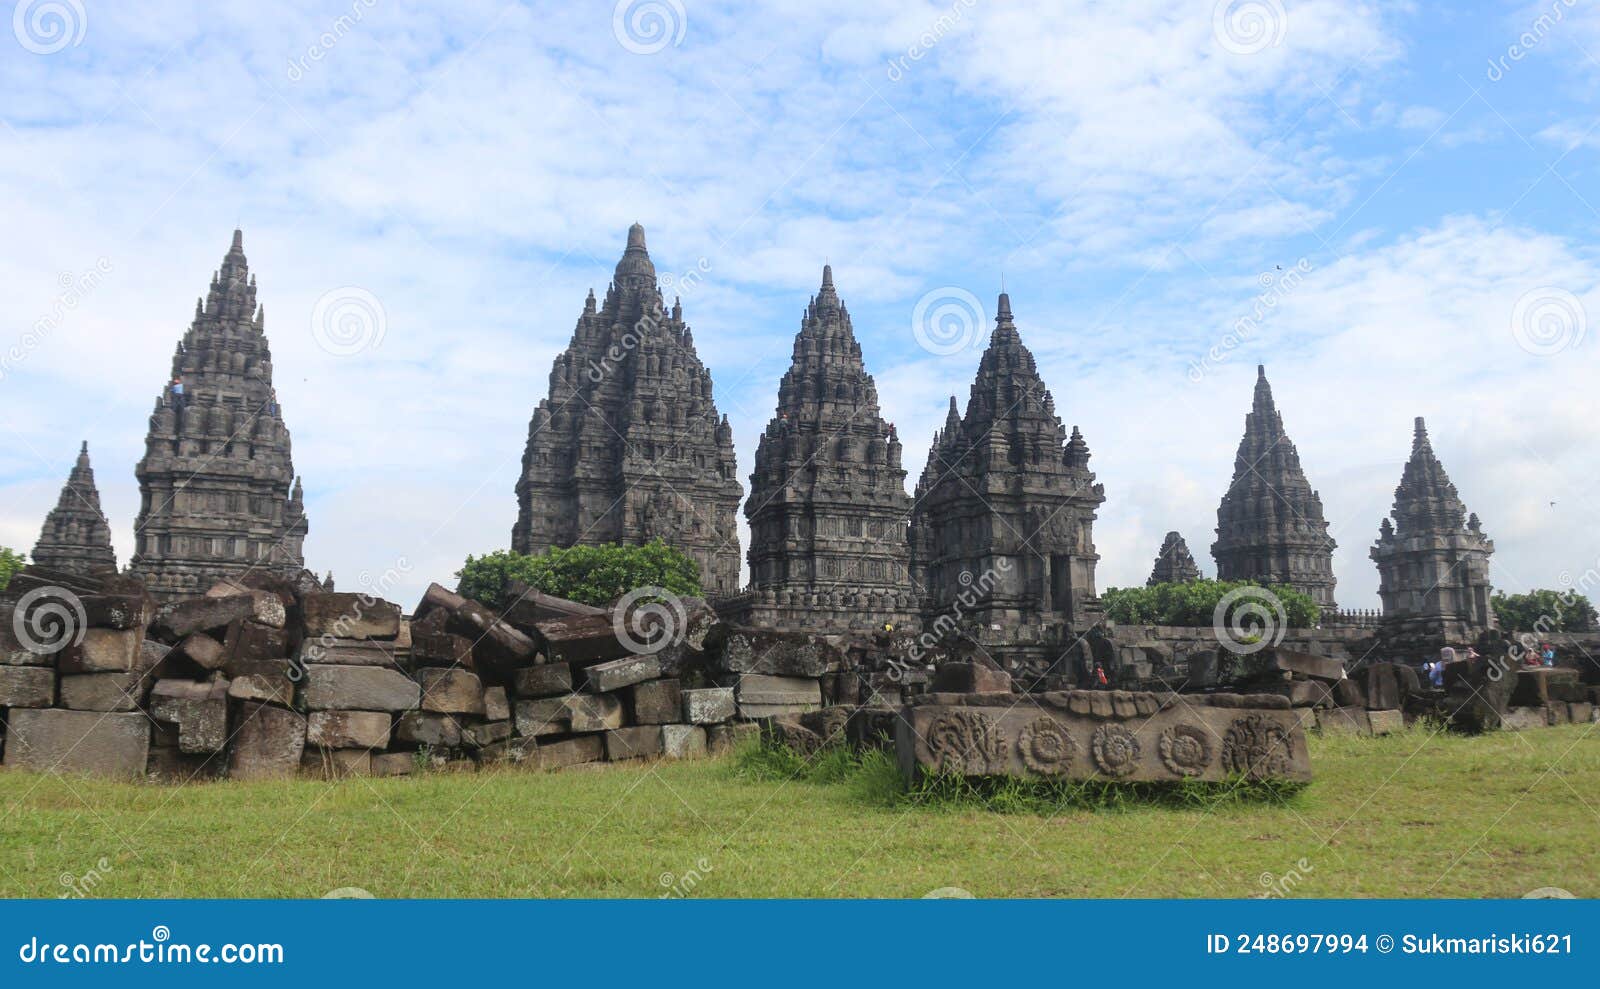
[(259, 680)]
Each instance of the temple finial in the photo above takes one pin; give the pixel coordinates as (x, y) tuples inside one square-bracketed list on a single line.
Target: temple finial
[(238, 239), (1004, 311), (636, 236)]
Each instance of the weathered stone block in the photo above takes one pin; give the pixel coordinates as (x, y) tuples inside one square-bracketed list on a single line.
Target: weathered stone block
[(1581, 712), (496, 706), (329, 651), (1187, 741), (359, 688), (450, 691), (1523, 718), (183, 618), (29, 686), (265, 687), (1558, 713), (544, 716), (594, 712), (1383, 688), (438, 731), (248, 646), (783, 654), (571, 752), (348, 729), (683, 741), (581, 639), (200, 710), (393, 763), (761, 696), (202, 650), (267, 744), (442, 649), (619, 673), (1385, 722), (335, 764), (350, 616), (709, 705), (103, 691), (657, 702), (1348, 720), (642, 742), (549, 680), (93, 742), (489, 733), (723, 738), (1349, 693), (970, 678), (103, 650)]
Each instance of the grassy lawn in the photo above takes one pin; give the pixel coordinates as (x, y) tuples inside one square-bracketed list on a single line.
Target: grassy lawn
[(1403, 816)]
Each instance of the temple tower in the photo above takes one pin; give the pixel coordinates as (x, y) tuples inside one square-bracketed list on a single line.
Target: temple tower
[(217, 488), (1433, 559), (828, 505), (1269, 525), (76, 537), (1174, 564), (629, 446), (1002, 528)]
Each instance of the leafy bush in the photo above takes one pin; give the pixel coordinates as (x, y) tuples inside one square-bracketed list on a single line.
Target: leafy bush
[(1544, 611), (10, 562), (1195, 603), (594, 575)]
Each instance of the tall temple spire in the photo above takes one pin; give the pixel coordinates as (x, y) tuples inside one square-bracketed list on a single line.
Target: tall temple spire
[(1270, 526), (629, 446), (1174, 563), (827, 502), (215, 481), (1012, 495), (1433, 560), (76, 537)]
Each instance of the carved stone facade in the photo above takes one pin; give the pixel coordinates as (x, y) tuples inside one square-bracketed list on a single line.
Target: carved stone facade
[(1002, 530), (1270, 526), (217, 488), (629, 447), (828, 504), (76, 537), (1174, 564), (1433, 559)]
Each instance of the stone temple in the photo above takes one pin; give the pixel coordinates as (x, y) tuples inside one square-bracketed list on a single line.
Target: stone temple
[(828, 505), (1002, 531), (218, 494), (76, 537), (1174, 564), (1433, 559), (1269, 525), (629, 447)]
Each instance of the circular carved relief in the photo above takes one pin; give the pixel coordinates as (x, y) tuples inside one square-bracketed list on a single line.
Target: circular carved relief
[(1115, 749), (1045, 747), (1186, 749)]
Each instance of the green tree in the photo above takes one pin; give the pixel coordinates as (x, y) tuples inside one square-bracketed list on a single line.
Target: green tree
[(1195, 603), (594, 575), (10, 562), (1543, 611)]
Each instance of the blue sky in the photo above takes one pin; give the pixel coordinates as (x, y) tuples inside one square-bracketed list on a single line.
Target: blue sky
[(1408, 201)]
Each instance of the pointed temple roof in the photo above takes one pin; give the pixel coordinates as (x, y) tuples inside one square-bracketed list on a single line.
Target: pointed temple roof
[(76, 537), (1174, 564), (1270, 525), (219, 496), (629, 445), (827, 497), (1426, 501)]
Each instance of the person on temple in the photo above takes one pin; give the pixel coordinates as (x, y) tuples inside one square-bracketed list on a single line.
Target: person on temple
[(177, 391), (1435, 669), (1548, 653)]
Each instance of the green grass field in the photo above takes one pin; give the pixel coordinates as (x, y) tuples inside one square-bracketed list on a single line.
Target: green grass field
[(1404, 816)]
